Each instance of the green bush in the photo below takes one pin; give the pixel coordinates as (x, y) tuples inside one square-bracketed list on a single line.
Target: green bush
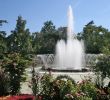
[(60, 77), (103, 66), (4, 83), (61, 88), (34, 84), (102, 69), (46, 81), (89, 89), (15, 65)]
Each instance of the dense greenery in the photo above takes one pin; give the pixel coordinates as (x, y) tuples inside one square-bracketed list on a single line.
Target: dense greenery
[(102, 69), (16, 46), (63, 88), (14, 64), (4, 83), (20, 39), (3, 41), (96, 38)]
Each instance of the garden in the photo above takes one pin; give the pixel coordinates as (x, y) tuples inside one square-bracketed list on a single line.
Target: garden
[(18, 49)]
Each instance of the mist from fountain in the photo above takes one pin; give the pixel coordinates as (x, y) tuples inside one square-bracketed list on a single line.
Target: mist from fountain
[(69, 54)]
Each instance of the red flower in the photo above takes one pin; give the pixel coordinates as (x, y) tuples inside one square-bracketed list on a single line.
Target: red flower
[(39, 97)]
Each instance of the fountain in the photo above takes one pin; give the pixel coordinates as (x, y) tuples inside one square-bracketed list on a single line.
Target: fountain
[(69, 58), (69, 54)]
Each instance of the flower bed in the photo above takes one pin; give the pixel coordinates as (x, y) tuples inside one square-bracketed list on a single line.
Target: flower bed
[(18, 97), (65, 88)]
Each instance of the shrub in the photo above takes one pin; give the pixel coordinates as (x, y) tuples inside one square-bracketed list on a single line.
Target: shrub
[(102, 68), (15, 65), (60, 77), (4, 83), (34, 84), (89, 89), (46, 81)]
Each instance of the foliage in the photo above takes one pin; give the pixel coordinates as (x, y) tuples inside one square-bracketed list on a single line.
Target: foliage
[(88, 88), (62, 32), (67, 88), (34, 84), (106, 46), (45, 41), (48, 28), (15, 65), (20, 39), (103, 67), (2, 21), (3, 47), (45, 84), (93, 36), (84, 98), (4, 83), (60, 77), (63, 89)]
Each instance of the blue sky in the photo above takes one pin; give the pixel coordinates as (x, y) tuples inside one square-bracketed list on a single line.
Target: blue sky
[(36, 12)]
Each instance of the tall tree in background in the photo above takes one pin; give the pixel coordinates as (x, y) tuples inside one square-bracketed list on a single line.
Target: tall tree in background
[(47, 38), (48, 28), (93, 37), (106, 43), (20, 39), (62, 31), (35, 42), (2, 38)]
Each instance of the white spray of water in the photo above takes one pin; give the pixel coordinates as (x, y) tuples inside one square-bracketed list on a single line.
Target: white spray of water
[(70, 54)]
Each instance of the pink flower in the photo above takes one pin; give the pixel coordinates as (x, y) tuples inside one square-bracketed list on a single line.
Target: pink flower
[(69, 95), (78, 94), (39, 97)]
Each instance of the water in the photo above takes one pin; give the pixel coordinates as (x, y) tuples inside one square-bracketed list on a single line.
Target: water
[(69, 54)]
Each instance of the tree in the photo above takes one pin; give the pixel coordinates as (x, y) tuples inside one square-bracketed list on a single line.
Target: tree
[(62, 31), (36, 42), (106, 44), (48, 28), (102, 68), (93, 36), (20, 40), (2, 38), (46, 39), (14, 64)]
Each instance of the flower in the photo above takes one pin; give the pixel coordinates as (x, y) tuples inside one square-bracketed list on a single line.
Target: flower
[(78, 94), (40, 97), (69, 96)]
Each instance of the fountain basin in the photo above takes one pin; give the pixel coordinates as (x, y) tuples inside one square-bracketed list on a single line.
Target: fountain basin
[(65, 70)]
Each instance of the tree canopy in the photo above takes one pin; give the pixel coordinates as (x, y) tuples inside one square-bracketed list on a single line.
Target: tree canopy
[(96, 38), (2, 38), (20, 39)]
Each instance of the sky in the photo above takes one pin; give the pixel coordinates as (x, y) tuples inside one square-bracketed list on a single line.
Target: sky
[(36, 12)]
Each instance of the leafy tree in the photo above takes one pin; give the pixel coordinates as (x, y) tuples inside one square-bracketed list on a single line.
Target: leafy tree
[(46, 39), (93, 36), (102, 68), (36, 41), (2, 38), (48, 28), (4, 83), (20, 39), (2, 21), (15, 64), (62, 31), (106, 44)]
